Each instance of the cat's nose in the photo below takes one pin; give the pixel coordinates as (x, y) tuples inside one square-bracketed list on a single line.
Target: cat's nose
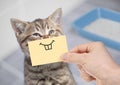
[(45, 36)]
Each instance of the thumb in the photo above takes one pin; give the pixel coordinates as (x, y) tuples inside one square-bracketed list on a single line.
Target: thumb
[(78, 58)]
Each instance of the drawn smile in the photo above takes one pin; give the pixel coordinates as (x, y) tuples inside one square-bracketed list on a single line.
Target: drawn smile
[(48, 46)]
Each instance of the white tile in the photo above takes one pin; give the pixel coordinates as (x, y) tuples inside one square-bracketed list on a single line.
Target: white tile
[(8, 41), (43, 8), (5, 4), (6, 77)]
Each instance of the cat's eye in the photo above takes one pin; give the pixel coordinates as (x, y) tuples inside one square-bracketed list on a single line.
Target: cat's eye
[(37, 34), (51, 32)]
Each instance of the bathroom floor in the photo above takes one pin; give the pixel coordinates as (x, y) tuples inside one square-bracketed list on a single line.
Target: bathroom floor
[(11, 68)]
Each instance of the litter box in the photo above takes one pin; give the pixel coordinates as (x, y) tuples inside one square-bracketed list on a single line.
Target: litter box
[(100, 24)]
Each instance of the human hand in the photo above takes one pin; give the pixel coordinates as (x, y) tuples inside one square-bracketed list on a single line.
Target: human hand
[(94, 62)]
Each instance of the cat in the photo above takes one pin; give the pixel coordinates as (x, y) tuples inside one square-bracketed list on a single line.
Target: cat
[(48, 74)]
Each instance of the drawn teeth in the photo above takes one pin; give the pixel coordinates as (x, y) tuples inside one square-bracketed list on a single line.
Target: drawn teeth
[(47, 46)]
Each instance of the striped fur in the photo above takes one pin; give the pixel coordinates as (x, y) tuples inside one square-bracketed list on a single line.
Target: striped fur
[(49, 74)]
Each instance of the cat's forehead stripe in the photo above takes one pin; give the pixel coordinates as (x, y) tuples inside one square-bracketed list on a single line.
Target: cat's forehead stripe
[(37, 26), (40, 23)]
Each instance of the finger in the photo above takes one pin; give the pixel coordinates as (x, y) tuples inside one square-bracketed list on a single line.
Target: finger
[(75, 58), (79, 66), (86, 76), (98, 82), (81, 48)]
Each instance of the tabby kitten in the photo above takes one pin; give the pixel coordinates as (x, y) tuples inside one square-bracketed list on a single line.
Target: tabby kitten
[(49, 74)]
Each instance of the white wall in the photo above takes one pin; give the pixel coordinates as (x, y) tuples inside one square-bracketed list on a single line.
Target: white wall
[(26, 10)]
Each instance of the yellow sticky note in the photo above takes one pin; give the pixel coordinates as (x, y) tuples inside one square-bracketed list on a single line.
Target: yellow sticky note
[(47, 50)]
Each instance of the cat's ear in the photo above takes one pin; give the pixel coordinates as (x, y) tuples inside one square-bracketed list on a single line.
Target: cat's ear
[(18, 25), (56, 16)]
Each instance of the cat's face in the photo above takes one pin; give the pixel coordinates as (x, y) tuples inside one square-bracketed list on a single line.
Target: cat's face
[(38, 29)]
